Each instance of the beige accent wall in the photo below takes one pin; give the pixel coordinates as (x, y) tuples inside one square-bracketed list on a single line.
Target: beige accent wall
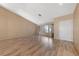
[(58, 21), (76, 27), (14, 26)]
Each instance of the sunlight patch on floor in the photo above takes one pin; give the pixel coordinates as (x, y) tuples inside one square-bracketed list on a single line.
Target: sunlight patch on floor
[(47, 42)]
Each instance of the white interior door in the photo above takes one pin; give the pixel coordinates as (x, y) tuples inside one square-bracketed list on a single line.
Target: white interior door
[(66, 30)]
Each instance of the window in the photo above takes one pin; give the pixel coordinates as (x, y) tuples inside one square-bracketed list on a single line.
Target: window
[(47, 29)]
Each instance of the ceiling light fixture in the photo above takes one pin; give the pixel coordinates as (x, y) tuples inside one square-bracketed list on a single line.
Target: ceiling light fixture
[(39, 15)]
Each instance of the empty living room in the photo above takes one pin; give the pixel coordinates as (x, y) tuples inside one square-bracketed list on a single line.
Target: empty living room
[(39, 29)]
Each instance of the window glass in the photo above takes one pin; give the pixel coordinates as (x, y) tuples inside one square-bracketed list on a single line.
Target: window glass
[(47, 29)]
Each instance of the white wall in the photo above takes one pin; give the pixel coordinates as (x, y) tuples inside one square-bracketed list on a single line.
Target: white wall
[(66, 30)]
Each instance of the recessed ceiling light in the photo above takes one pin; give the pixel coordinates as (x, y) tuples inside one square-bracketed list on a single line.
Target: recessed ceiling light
[(60, 4)]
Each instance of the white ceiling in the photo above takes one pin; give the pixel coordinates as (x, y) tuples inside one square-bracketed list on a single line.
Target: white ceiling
[(48, 11)]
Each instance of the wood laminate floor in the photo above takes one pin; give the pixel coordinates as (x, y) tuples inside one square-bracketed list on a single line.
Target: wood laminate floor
[(32, 47)]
